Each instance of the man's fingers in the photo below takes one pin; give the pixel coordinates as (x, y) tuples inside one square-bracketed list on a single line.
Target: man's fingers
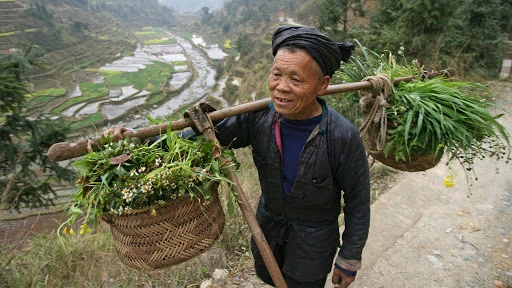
[(335, 279), (108, 132), (117, 132)]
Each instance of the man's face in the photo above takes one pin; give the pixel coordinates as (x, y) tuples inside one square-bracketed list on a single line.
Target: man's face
[(295, 81)]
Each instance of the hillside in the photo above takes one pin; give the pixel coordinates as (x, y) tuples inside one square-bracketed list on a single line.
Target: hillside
[(192, 6), (69, 32)]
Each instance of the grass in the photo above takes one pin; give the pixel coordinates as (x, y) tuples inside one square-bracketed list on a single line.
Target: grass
[(160, 41), (180, 63), (152, 78), (150, 34), (105, 72), (91, 119), (90, 91), (144, 32), (81, 260), (38, 101), (42, 97), (116, 80), (155, 98), (7, 34)]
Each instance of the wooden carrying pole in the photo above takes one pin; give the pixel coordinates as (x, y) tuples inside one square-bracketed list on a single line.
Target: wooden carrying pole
[(204, 125), (64, 150)]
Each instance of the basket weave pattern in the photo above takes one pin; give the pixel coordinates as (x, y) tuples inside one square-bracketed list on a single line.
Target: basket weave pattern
[(414, 163), (181, 230)]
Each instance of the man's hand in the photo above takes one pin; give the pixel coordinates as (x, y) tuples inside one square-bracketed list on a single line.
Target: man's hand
[(340, 279), (117, 132)]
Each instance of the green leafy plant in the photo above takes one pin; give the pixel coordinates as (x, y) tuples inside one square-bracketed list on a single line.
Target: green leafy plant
[(127, 177), (436, 115), (432, 116)]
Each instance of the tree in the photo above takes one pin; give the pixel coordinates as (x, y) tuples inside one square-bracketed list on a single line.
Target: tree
[(462, 34), (27, 175), (206, 16), (476, 37), (335, 13), (243, 44)]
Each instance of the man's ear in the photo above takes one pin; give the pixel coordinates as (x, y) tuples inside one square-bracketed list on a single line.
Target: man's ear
[(324, 83)]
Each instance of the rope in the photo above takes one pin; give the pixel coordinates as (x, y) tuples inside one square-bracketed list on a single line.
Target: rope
[(373, 105)]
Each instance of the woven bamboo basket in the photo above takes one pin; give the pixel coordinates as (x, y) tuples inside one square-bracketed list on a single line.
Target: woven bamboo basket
[(413, 163), (180, 230)]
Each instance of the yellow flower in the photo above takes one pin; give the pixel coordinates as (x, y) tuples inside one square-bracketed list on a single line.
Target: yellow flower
[(65, 231), (449, 181), (84, 229), (71, 231)]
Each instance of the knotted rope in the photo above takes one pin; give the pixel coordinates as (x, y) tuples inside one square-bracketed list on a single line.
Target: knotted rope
[(373, 105)]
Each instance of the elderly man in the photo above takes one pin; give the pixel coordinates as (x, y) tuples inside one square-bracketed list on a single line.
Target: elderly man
[(307, 156)]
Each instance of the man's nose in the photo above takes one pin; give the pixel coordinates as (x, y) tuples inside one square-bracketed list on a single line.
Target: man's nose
[(283, 85)]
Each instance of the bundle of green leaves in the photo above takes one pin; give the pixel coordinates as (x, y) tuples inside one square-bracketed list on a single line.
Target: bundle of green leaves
[(126, 177), (432, 116)]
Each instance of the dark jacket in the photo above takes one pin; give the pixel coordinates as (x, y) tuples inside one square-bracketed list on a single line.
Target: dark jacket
[(333, 160)]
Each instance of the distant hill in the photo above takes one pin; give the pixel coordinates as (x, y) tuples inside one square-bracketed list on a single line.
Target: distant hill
[(69, 32), (192, 6)]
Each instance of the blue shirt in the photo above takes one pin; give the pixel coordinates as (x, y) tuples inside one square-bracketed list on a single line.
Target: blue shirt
[(294, 134)]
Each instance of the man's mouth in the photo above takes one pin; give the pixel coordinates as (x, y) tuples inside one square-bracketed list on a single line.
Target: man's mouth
[(282, 100)]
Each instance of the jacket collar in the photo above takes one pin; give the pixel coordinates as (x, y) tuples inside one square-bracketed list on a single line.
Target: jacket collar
[(323, 121)]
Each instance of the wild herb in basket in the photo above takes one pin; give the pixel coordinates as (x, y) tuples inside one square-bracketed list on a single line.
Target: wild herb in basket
[(126, 177), (432, 116)]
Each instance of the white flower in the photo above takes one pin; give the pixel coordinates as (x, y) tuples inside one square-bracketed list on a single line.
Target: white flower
[(158, 161), (128, 197)]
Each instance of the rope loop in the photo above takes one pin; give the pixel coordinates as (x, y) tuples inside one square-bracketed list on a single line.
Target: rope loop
[(373, 105)]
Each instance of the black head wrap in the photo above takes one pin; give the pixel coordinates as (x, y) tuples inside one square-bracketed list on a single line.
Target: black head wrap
[(325, 52)]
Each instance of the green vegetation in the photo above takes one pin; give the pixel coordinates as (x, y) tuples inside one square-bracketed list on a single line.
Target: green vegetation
[(7, 34), (154, 36), (105, 72), (153, 78), (38, 101), (116, 80), (144, 32), (146, 176), (51, 92), (24, 141), (180, 63), (464, 35), (90, 91), (84, 254), (160, 41), (427, 116), (155, 98), (90, 120)]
